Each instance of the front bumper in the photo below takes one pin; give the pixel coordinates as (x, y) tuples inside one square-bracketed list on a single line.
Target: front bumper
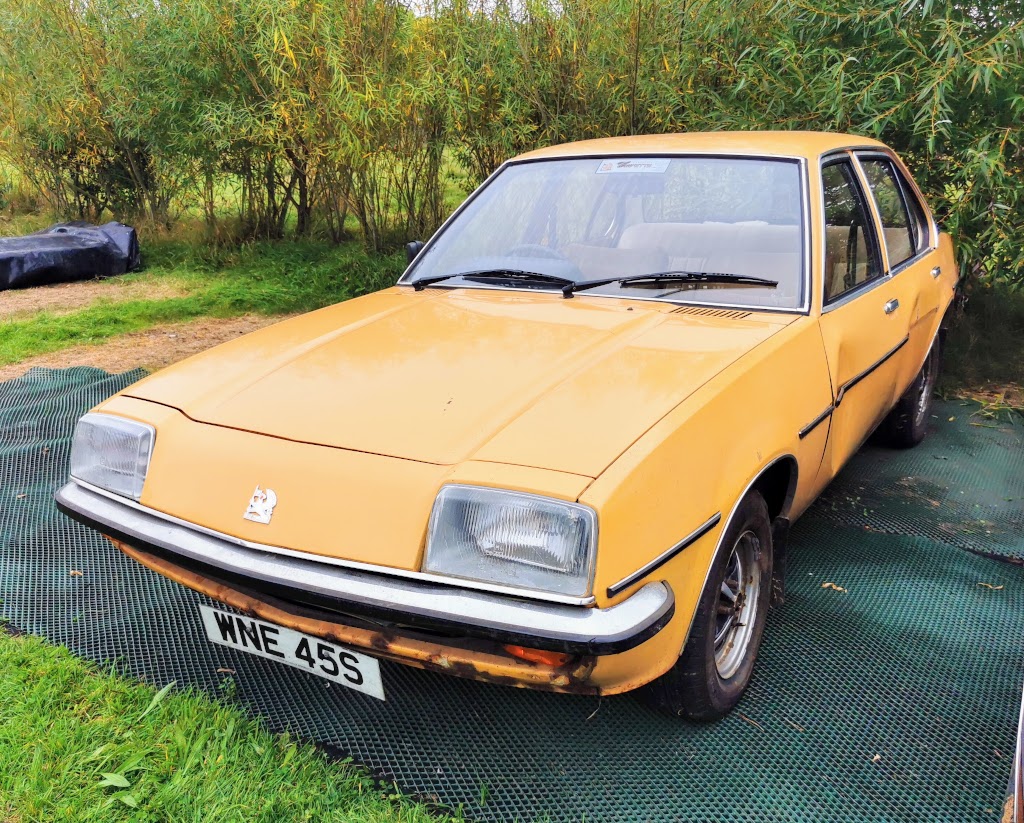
[(576, 630)]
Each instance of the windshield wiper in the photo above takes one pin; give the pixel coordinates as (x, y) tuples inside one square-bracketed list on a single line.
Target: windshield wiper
[(497, 274), (655, 278), (569, 286)]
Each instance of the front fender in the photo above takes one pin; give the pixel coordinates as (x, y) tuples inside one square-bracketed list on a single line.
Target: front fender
[(699, 462)]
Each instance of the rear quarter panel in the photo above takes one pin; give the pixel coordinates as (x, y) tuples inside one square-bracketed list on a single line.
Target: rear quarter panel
[(950, 276)]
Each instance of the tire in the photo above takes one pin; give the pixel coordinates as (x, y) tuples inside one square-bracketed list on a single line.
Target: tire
[(907, 424), (716, 664)]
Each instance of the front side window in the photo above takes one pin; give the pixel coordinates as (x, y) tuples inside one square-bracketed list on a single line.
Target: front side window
[(728, 220), (851, 248)]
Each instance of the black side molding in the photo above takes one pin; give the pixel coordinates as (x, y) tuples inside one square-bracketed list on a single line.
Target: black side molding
[(817, 421), (849, 384), (664, 557), (853, 381)]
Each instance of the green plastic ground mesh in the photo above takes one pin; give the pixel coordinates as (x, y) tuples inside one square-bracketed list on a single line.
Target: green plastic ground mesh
[(895, 700)]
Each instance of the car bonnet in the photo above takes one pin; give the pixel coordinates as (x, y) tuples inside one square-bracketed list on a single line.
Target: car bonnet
[(447, 375)]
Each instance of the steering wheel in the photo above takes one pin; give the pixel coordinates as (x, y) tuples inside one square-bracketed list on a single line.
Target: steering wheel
[(535, 250)]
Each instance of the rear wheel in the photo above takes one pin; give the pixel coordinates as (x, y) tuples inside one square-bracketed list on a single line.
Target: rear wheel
[(715, 666), (907, 423)]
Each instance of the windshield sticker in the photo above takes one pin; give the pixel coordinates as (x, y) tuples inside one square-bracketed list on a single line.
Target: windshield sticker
[(632, 165)]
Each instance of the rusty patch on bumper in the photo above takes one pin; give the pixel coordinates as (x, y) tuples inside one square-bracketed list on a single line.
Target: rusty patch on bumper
[(485, 664)]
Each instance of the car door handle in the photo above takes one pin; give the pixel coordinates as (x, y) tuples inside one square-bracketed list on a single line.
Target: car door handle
[(892, 305), (936, 271)]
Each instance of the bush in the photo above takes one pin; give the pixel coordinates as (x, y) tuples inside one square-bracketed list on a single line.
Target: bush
[(986, 345), (310, 113)]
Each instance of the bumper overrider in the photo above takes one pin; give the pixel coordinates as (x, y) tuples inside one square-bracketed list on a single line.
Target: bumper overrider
[(322, 598)]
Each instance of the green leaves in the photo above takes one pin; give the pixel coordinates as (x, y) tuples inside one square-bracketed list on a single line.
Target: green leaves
[(160, 695), (282, 116), (118, 781)]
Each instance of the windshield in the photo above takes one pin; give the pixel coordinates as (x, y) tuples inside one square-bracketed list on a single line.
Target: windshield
[(594, 218)]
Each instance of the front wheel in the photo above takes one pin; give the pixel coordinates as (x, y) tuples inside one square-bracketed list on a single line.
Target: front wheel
[(907, 423), (715, 667)]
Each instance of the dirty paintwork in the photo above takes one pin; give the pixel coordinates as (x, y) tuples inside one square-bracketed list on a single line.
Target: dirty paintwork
[(474, 663), (658, 419)]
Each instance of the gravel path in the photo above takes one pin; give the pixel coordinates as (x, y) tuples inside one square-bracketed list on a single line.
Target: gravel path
[(151, 349)]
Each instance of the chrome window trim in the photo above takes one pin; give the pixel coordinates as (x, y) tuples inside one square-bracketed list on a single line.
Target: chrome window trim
[(355, 565), (900, 174), (849, 296), (673, 301), (910, 261), (905, 177), (904, 174), (876, 216), (805, 229), (869, 285)]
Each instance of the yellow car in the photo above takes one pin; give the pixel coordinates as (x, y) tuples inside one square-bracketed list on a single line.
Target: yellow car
[(564, 451)]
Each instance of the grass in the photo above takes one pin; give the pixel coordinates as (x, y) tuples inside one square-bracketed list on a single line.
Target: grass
[(80, 744), (77, 743), (260, 278)]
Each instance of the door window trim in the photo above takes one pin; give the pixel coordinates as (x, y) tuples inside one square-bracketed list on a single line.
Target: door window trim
[(876, 215), (904, 181), (850, 294)]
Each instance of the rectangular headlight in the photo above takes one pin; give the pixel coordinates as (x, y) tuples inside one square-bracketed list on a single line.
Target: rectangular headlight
[(112, 453), (512, 539)]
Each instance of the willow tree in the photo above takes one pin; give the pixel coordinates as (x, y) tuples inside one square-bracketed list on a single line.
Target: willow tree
[(315, 112), (942, 82), (69, 83)]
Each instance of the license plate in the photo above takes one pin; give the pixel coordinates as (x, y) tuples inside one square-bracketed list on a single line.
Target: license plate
[(311, 654)]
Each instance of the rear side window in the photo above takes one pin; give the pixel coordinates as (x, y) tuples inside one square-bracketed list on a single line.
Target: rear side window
[(902, 231), (918, 221), (851, 247)]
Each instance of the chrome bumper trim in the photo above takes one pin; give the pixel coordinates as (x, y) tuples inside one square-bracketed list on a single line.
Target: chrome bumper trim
[(387, 571), (550, 626)]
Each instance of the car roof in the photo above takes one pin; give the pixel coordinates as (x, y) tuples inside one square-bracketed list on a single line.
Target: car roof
[(809, 144)]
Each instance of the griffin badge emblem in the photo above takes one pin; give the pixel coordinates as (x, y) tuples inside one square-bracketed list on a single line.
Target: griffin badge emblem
[(261, 506)]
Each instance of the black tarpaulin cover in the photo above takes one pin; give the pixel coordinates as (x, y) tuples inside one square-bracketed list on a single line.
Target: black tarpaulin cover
[(66, 252)]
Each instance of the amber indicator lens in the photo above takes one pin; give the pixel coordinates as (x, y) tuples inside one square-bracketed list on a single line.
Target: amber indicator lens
[(539, 656)]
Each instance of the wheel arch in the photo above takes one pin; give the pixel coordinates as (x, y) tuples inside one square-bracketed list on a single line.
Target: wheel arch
[(779, 477), (777, 484)]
